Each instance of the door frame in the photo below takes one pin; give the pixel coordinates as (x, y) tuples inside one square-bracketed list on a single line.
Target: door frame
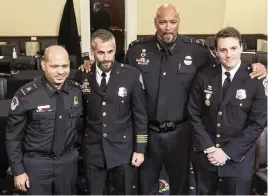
[(130, 33)]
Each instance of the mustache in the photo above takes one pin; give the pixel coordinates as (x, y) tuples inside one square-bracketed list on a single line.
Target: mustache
[(104, 62), (167, 33)]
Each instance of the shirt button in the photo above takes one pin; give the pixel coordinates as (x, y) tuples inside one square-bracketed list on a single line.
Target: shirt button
[(218, 125), (105, 135), (125, 136), (104, 103), (219, 113), (218, 135), (60, 117), (86, 135), (220, 179), (217, 145), (104, 125), (122, 101), (104, 114), (164, 73)]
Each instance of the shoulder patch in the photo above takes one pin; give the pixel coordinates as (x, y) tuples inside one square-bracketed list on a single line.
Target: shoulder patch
[(14, 103), (126, 66)]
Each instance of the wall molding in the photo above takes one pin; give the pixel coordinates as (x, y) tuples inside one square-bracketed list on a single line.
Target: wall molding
[(203, 36)]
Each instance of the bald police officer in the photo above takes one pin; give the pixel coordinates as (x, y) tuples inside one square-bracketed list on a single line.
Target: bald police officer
[(41, 129)]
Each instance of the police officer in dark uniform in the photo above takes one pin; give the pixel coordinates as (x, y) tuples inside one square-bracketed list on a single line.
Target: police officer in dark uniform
[(42, 128), (115, 134), (168, 63), (228, 111)]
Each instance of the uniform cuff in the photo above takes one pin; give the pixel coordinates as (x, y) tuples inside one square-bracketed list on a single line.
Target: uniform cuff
[(18, 170)]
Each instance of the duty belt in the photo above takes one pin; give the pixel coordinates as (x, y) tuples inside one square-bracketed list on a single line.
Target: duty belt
[(163, 127)]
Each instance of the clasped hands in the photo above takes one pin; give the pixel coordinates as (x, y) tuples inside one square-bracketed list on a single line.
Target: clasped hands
[(216, 156)]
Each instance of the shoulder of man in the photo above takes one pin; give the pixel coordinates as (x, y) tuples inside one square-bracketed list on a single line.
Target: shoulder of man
[(74, 84), (197, 42), (129, 67), (29, 87), (140, 41)]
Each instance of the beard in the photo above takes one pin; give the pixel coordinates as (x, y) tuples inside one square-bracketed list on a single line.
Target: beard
[(105, 66)]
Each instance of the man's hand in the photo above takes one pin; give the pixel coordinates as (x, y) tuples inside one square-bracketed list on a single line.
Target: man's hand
[(22, 182), (210, 150), (137, 159), (258, 70), (86, 66), (217, 157)]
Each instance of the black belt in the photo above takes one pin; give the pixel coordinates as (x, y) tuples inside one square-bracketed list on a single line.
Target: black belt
[(48, 154), (163, 127)]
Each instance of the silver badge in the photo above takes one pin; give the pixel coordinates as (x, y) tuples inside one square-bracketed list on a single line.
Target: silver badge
[(14, 103), (143, 50), (241, 94), (122, 92), (143, 54), (188, 60)]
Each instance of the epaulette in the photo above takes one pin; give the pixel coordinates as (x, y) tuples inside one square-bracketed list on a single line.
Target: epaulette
[(126, 66), (194, 41), (139, 41), (75, 84), (29, 87), (199, 42)]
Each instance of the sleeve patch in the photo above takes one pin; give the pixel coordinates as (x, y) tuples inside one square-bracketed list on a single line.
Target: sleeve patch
[(14, 103)]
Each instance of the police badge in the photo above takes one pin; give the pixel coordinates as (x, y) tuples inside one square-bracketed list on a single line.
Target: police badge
[(241, 94), (122, 92), (76, 103)]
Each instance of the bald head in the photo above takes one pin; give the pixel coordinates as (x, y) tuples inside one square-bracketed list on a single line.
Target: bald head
[(167, 24), (54, 50), (56, 65), (166, 8)]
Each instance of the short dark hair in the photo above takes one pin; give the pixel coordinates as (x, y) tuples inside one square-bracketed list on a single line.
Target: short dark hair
[(228, 32), (103, 35)]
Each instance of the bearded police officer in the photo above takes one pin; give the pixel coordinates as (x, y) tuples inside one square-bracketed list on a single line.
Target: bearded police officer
[(168, 63), (41, 129), (115, 134)]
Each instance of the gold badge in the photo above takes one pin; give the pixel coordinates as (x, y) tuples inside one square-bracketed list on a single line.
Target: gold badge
[(76, 101)]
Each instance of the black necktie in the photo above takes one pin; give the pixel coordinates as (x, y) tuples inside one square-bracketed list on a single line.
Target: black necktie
[(61, 117), (226, 84), (103, 83)]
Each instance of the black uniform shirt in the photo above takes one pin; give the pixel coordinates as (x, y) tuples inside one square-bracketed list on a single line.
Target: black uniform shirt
[(32, 117), (168, 74)]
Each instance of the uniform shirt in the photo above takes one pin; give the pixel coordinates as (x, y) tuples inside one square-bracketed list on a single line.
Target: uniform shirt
[(168, 74), (32, 117), (232, 72), (99, 77)]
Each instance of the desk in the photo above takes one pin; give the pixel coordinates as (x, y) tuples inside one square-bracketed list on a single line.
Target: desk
[(16, 81)]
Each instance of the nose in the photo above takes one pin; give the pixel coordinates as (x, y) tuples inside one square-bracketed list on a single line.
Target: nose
[(168, 26), (60, 70), (228, 53)]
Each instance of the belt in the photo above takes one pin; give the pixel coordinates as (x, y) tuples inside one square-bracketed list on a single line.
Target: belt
[(164, 127), (48, 154)]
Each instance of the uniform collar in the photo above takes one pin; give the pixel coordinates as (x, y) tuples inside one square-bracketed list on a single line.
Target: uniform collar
[(166, 49), (99, 72), (232, 72), (51, 89)]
